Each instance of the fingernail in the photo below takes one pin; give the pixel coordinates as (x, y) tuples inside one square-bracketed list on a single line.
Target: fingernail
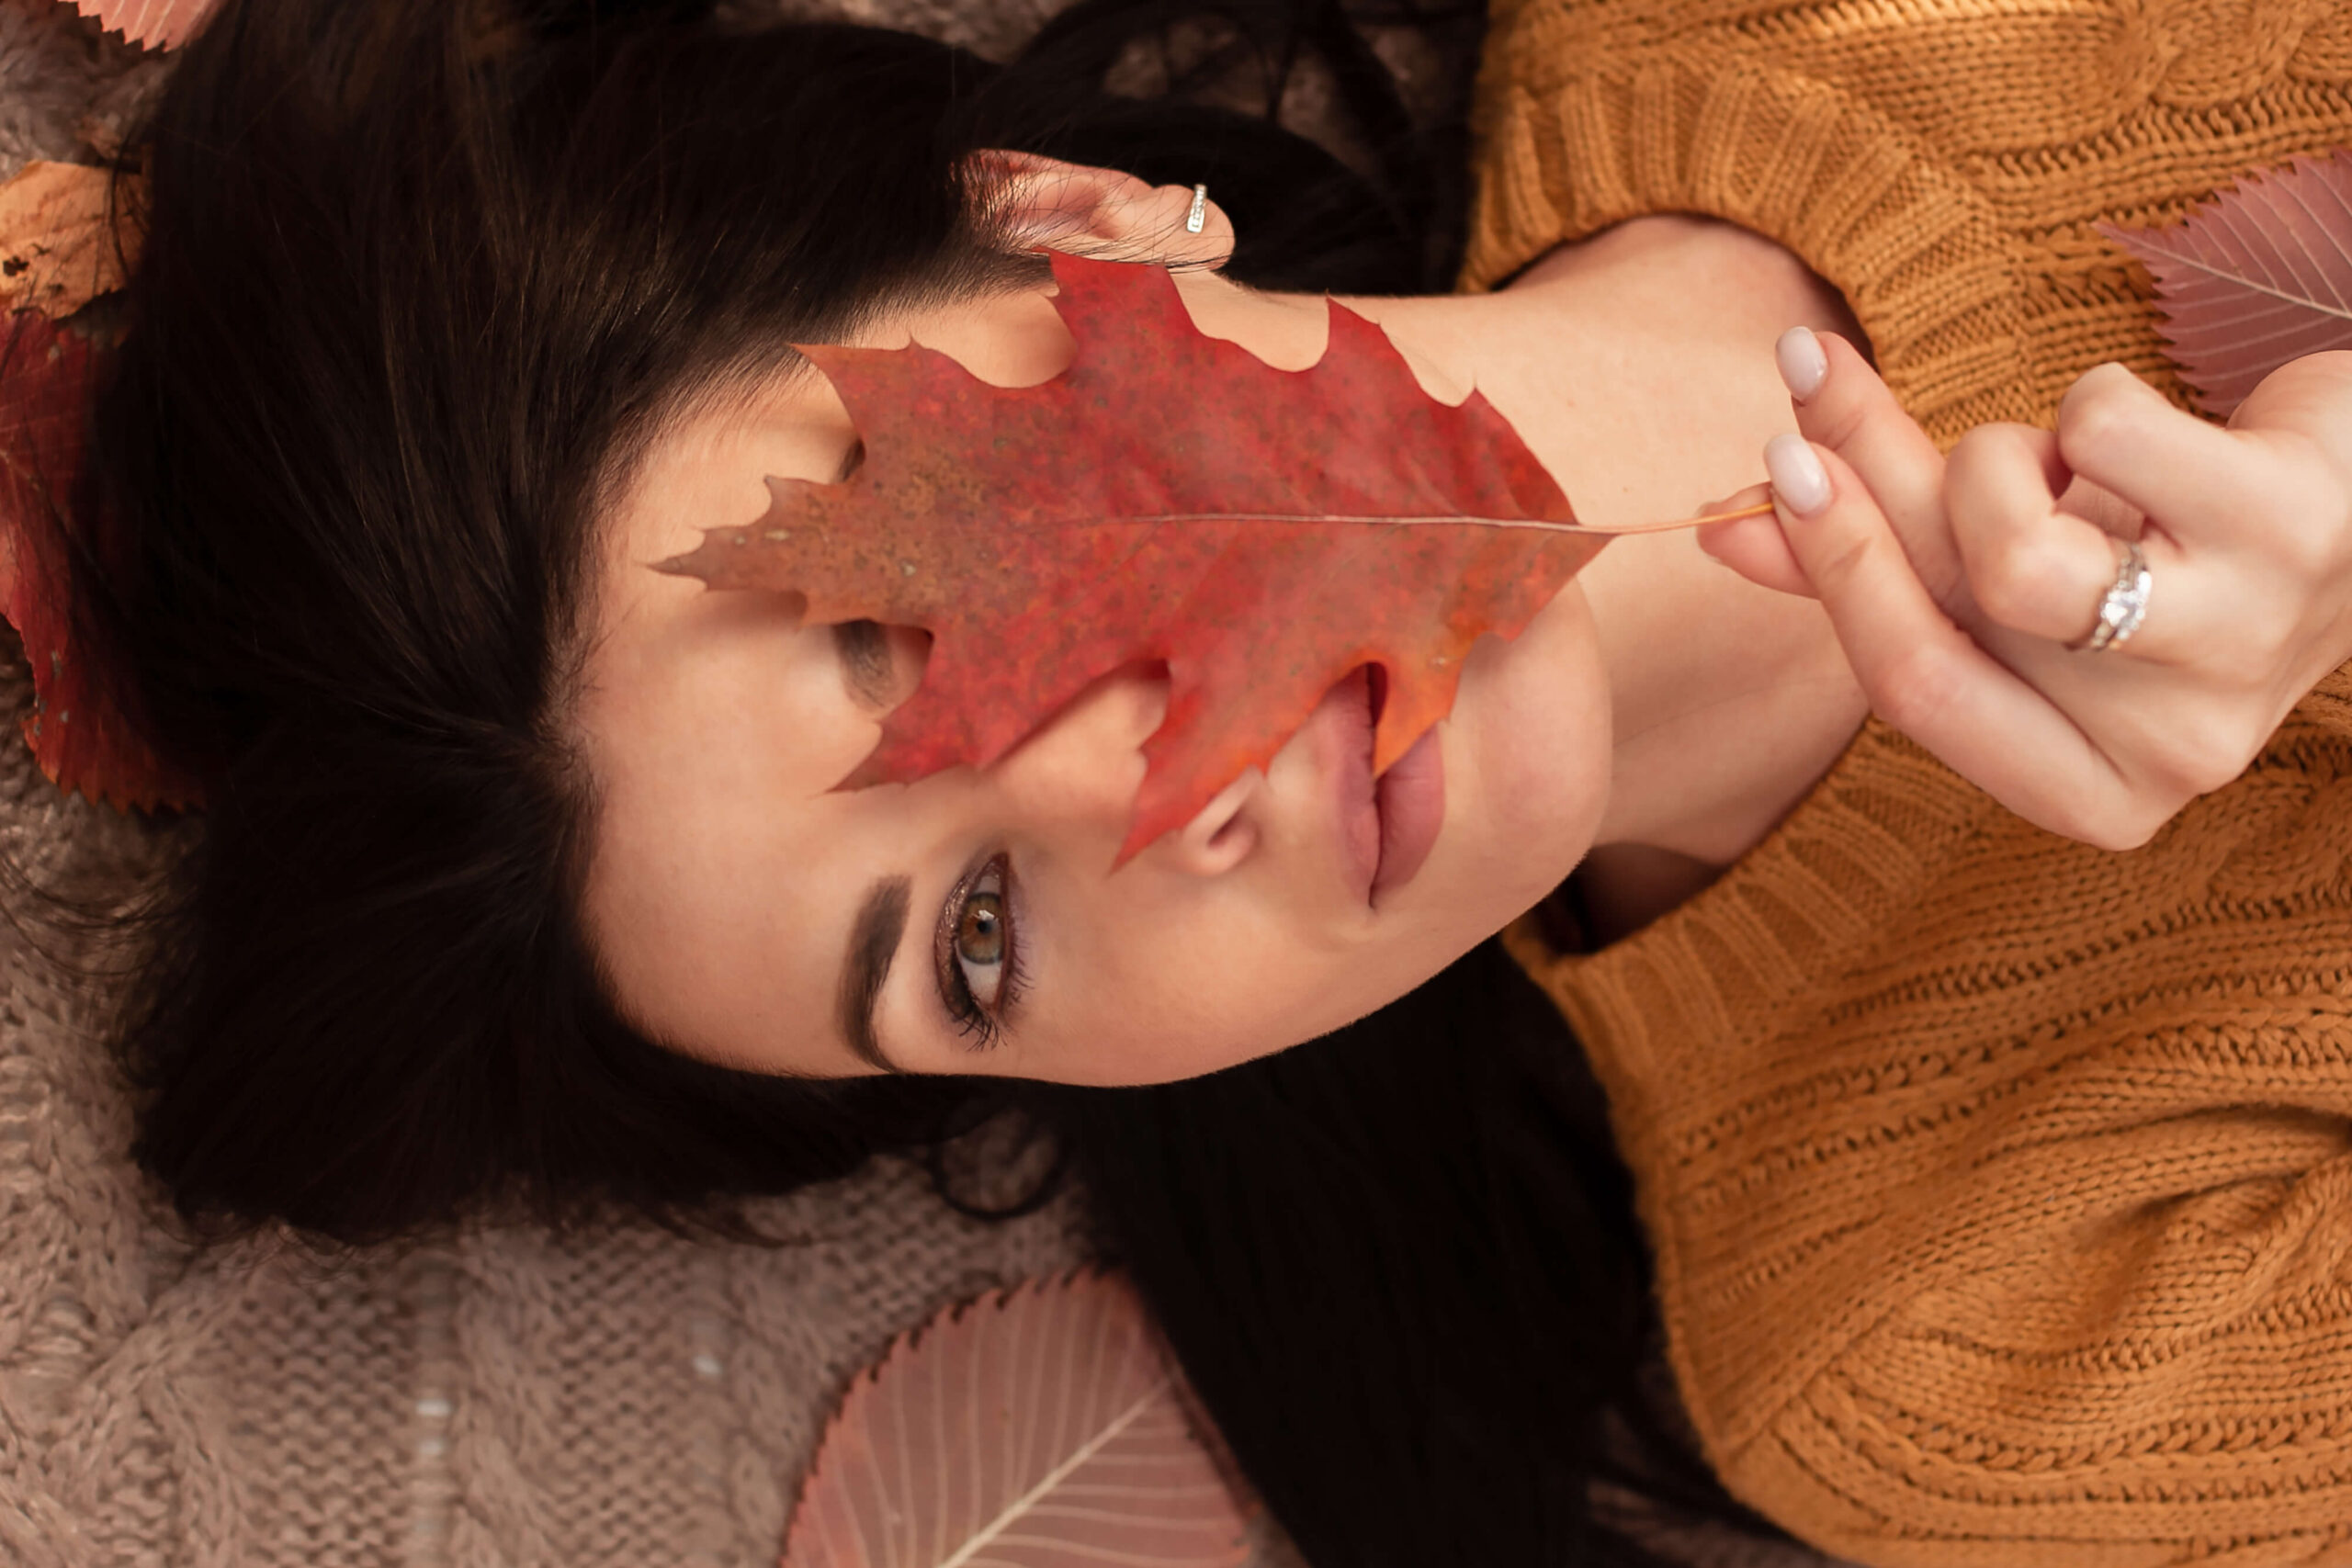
[(1803, 366), (1798, 478)]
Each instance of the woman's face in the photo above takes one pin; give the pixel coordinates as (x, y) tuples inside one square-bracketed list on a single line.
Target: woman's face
[(750, 913)]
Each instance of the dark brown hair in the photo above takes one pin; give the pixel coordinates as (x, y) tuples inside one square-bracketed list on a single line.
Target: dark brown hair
[(417, 280)]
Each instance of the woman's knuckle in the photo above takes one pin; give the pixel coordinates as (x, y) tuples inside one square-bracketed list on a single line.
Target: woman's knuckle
[(2097, 411), (2013, 577), (1918, 689), (2247, 659), (1842, 566), (2198, 755), (2278, 523), (2310, 547), (2131, 829), (2110, 829)]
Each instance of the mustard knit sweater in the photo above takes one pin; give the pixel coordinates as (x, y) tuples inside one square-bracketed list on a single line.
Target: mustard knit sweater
[(2001, 1188)]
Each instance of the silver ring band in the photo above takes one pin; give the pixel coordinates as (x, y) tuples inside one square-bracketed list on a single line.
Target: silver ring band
[(2126, 605)]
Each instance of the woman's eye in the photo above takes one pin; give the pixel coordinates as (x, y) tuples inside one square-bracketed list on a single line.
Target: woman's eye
[(981, 945), (980, 959)]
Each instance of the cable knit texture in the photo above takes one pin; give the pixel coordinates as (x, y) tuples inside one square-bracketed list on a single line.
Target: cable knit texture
[(2001, 1188)]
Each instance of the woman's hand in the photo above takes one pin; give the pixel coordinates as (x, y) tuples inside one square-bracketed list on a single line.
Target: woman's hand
[(1959, 585)]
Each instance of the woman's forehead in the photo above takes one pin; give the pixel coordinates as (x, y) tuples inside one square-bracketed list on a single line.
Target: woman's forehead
[(716, 725)]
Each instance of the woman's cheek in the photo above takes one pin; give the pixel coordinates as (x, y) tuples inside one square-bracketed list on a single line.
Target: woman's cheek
[(1156, 989), (1533, 751)]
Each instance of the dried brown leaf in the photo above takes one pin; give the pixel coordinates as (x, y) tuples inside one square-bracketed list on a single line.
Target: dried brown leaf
[(2261, 274), (152, 24), (57, 250), (1040, 1427)]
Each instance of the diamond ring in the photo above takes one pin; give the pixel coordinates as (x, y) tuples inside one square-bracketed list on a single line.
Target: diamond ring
[(2126, 604)]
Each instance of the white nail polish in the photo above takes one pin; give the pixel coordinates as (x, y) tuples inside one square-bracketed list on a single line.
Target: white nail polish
[(1798, 478), (1804, 365)]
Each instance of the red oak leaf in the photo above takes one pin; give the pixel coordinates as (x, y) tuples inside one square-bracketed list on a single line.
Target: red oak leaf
[(1169, 499), (78, 727), (2261, 274), (151, 24)]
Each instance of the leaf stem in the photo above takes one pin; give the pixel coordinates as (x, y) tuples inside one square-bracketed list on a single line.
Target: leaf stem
[(1762, 509)]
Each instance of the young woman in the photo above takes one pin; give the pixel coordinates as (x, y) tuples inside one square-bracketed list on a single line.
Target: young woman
[(1988, 1216)]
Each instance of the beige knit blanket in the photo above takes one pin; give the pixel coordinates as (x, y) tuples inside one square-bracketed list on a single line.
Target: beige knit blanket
[(487, 1397), (490, 1398)]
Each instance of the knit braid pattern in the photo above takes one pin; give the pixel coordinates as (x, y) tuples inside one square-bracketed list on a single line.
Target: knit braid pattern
[(1942, 162), (2001, 1189)]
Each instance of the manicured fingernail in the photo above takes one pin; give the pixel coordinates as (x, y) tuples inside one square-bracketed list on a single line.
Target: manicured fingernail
[(1803, 366), (1798, 478)]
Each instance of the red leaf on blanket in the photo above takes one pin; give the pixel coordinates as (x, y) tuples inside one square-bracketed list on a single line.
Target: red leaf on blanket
[(2258, 276), (1039, 1428), (151, 24), (78, 727), (1169, 498)]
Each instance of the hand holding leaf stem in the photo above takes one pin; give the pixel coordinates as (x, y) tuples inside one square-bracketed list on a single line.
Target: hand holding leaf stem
[(1960, 586)]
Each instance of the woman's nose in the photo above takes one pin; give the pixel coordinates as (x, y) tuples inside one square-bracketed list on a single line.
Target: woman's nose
[(1222, 835), (1087, 762)]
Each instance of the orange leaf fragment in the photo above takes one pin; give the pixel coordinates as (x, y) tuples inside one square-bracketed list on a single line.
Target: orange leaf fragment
[(1039, 1428), (57, 250)]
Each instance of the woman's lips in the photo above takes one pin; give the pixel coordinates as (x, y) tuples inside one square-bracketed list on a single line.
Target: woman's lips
[(1412, 810), (1387, 826)]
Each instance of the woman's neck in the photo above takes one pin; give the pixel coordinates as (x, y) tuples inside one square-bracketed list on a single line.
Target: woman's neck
[(1638, 367)]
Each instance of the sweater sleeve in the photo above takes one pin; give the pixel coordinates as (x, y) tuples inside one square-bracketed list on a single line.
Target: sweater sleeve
[(2001, 1189), (2121, 1333)]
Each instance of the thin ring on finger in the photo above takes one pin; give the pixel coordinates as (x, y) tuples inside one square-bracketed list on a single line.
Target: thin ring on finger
[(2125, 605), (2034, 567)]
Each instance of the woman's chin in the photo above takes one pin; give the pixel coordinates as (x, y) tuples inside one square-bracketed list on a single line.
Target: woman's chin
[(1527, 754)]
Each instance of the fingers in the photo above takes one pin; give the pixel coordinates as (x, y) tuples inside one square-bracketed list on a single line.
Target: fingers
[(1754, 547), (1923, 673), (2123, 434), (2032, 566), (2037, 566), (1842, 405)]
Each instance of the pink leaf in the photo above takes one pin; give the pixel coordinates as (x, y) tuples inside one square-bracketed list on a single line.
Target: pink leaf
[(1040, 1427), (2261, 274), (151, 24)]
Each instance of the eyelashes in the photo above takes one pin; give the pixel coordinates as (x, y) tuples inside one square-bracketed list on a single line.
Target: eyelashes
[(864, 651), (978, 951), (881, 666)]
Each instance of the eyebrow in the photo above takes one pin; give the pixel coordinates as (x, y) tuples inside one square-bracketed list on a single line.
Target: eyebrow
[(873, 943)]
